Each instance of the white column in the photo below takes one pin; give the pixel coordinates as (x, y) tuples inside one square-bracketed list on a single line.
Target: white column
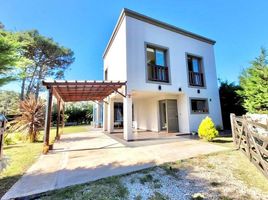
[(128, 133), (110, 117), (98, 115), (104, 116)]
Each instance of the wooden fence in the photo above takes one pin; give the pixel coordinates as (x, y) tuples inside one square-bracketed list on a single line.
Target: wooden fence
[(252, 139)]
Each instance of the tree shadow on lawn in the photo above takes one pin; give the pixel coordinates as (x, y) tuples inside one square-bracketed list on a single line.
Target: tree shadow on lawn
[(222, 141), (7, 182), (13, 146)]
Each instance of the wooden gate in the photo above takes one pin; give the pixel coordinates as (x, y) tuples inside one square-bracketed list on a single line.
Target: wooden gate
[(252, 139)]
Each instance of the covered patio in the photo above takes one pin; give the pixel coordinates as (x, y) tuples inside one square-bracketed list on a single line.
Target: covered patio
[(75, 91)]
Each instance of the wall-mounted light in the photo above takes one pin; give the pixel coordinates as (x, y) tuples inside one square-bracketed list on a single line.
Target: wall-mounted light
[(179, 89), (198, 91), (159, 87), (210, 100)]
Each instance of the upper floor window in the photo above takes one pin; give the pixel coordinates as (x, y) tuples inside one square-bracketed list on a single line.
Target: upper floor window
[(195, 70), (157, 68)]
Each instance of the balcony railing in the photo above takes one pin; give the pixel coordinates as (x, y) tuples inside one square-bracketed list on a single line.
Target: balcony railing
[(158, 73), (196, 79)]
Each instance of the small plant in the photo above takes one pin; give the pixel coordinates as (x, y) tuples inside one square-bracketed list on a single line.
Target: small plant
[(207, 129), (146, 178), (8, 140), (139, 197), (158, 196), (198, 196)]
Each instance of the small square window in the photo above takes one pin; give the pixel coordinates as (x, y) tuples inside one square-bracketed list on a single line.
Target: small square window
[(199, 105)]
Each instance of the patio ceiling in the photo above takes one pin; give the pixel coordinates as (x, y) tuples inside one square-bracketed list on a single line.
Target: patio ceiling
[(72, 91)]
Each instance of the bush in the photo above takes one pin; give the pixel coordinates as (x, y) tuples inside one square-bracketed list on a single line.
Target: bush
[(207, 129), (9, 140)]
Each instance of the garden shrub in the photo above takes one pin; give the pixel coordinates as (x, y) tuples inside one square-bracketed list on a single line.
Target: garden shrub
[(9, 140), (207, 129)]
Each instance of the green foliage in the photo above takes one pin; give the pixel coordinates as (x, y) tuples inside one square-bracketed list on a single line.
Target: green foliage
[(231, 102), (81, 112), (207, 129), (9, 103), (9, 140), (9, 56), (254, 84)]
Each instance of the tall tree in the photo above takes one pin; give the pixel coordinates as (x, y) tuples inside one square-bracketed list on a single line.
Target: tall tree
[(9, 55), (254, 84), (231, 102), (49, 60)]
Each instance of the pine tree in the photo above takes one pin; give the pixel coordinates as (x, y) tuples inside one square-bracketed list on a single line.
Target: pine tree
[(254, 84)]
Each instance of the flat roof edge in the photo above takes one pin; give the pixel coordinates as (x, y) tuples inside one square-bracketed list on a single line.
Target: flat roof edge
[(136, 15)]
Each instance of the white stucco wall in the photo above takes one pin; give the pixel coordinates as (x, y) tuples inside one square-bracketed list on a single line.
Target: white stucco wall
[(115, 59)]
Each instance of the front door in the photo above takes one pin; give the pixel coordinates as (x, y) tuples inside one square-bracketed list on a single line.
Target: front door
[(172, 116), (168, 115)]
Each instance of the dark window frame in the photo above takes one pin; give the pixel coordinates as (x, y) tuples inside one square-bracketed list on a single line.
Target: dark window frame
[(206, 110), (195, 77), (165, 68), (106, 74)]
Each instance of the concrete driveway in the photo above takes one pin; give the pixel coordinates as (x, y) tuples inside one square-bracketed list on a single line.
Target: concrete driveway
[(88, 156)]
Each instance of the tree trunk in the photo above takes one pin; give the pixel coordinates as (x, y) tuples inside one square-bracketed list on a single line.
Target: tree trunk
[(22, 89), (40, 75), (32, 135)]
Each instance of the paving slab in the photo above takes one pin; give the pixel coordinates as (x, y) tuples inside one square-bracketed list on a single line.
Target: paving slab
[(88, 156)]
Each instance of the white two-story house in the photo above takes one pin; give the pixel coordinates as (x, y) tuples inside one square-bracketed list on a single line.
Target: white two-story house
[(170, 74)]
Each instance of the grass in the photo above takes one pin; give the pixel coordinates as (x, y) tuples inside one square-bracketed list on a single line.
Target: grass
[(105, 189), (23, 154), (66, 130)]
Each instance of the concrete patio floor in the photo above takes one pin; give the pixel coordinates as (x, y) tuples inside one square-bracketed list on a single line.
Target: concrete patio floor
[(88, 156)]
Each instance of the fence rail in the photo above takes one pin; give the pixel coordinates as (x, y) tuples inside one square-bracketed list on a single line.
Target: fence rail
[(252, 139)]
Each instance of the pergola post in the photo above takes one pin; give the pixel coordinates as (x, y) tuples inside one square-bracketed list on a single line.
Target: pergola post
[(127, 107), (62, 118), (48, 120), (110, 121), (58, 119), (98, 115), (104, 116)]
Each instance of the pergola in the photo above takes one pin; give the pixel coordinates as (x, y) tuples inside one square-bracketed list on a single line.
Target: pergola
[(74, 91)]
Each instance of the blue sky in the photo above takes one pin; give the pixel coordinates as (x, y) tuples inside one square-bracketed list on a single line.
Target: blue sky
[(239, 27)]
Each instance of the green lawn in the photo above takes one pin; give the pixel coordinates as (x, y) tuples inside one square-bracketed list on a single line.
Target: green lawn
[(20, 156), (66, 130), (23, 154)]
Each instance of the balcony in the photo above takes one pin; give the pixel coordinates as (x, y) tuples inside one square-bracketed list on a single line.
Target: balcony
[(158, 73), (196, 79)]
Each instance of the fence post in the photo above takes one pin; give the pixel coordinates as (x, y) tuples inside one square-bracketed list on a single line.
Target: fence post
[(232, 118), (246, 130), (3, 122), (1, 142)]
